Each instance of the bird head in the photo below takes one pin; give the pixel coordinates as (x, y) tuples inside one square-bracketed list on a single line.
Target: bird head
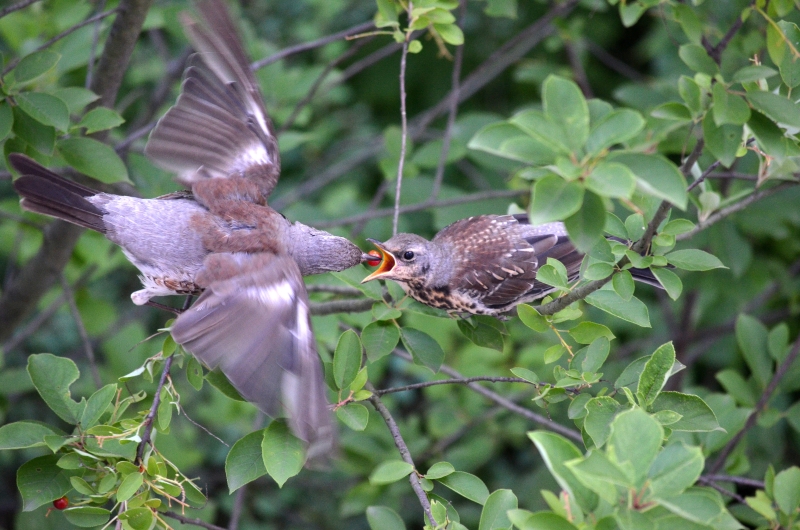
[(403, 258)]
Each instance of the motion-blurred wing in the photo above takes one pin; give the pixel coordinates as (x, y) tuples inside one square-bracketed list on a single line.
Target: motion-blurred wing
[(253, 323), (219, 126)]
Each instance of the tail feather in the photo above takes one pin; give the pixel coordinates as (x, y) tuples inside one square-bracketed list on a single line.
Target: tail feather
[(47, 193)]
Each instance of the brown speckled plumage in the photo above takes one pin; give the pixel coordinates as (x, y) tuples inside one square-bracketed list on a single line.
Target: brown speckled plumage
[(483, 265), (219, 239)]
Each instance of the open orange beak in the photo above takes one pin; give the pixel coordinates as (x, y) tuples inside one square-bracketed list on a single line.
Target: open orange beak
[(386, 265)]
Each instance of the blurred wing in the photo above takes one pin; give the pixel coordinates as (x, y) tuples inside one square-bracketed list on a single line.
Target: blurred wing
[(253, 323), (219, 126)]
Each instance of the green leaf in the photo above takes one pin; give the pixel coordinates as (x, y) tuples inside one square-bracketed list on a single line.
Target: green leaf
[(656, 176), (140, 518), (633, 310), (669, 280), (672, 111), (100, 119), (587, 332), (676, 468), (467, 485), (493, 515), (694, 260), (353, 277), (93, 158), (40, 137), (346, 359), (531, 318), (769, 136), (34, 66), (722, 141), (623, 285), (699, 505), (439, 470), (423, 348), (552, 274), (596, 355), (390, 471), (749, 74), (194, 373), (655, 374), (354, 415), (75, 97), (585, 227), (97, 405), (565, 106), (611, 179), (218, 380), (450, 33), (751, 335), (129, 485), (481, 332), (696, 415), (787, 490), (384, 518), (787, 63), (697, 59), (600, 412), (24, 434), (282, 453), (509, 141), (556, 451), (87, 516), (776, 107), (614, 128), (41, 481), (44, 108), (52, 377), (244, 462), (379, 339), (554, 199), (729, 108), (540, 521), (634, 443)]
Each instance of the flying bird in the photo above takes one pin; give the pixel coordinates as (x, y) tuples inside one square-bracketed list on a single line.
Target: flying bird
[(482, 265), (220, 240)]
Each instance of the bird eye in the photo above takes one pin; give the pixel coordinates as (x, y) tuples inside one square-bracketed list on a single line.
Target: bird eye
[(408, 255)]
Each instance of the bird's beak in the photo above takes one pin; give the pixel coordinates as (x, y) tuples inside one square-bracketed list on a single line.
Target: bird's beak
[(386, 265)]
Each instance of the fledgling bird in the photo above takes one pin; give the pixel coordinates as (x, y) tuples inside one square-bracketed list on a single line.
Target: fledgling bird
[(482, 265), (220, 239)]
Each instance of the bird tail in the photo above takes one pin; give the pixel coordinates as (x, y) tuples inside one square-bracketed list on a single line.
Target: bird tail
[(645, 276), (48, 193)]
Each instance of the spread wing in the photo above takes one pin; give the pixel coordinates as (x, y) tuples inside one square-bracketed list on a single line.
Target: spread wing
[(253, 323), (219, 126), (509, 252)]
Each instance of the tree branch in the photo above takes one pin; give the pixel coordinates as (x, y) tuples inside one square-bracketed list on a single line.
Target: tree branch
[(189, 520), (405, 454), (16, 7), (342, 306), (464, 381), (148, 420), (783, 368)]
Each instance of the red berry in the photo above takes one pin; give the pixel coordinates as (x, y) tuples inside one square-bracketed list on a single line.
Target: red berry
[(378, 258), (61, 504)]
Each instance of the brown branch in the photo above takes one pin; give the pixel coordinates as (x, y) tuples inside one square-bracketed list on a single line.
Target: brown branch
[(342, 306), (322, 41), (189, 520), (504, 402), (742, 481), (405, 454), (464, 381), (333, 289), (710, 483), (783, 368), (579, 293), (403, 127), (16, 7), (148, 420)]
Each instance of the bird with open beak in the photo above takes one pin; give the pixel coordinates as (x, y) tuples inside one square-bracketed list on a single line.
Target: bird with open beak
[(220, 240), (482, 265)]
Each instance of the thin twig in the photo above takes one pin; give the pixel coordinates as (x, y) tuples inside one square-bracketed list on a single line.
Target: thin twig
[(783, 368), (150, 418), (380, 193), (385, 212), (403, 127), (16, 7), (455, 80), (190, 520), (333, 289), (76, 316), (742, 481), (322, 41), (733, 208), (405, 454), (61, 35), (504, 402), (463, 381), (710, 483)]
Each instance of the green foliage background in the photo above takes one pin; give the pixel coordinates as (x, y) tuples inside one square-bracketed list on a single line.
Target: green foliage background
[(651, 446)]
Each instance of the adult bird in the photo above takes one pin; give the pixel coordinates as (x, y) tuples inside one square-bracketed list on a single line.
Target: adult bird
[(482, 265), (220, 239)]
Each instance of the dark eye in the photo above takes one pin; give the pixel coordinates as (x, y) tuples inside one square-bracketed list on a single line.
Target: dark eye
[(408, 255)]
